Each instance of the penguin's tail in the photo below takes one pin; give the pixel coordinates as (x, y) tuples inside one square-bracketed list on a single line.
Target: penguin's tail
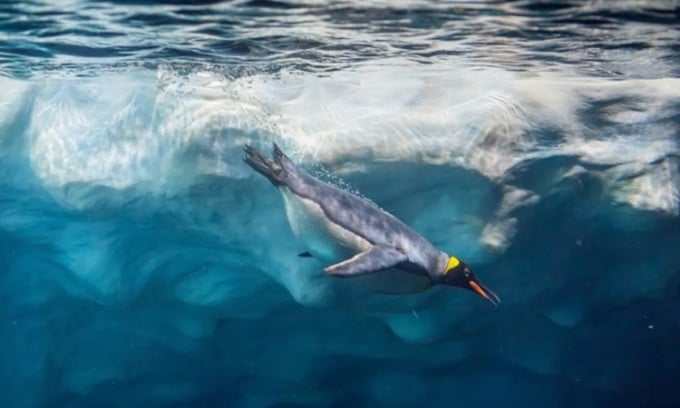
[(274, 170)]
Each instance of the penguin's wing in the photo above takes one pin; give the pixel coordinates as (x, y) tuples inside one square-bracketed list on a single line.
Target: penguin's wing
[(373, 260)]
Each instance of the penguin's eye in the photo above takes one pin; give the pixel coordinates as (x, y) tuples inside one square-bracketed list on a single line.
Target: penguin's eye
[(467, 272)]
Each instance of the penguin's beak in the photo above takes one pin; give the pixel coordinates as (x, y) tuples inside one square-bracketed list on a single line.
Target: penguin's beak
[(484, 292)]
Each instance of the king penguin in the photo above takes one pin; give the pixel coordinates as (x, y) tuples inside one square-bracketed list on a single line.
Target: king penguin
[(357, 239)]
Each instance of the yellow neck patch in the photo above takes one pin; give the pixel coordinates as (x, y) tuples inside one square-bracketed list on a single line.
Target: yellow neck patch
[(453, 262)]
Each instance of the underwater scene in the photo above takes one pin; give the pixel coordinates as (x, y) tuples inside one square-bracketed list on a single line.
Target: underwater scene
[(307, 203)]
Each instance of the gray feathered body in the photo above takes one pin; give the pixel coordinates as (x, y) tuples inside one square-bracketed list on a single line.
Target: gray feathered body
[(335, 225)]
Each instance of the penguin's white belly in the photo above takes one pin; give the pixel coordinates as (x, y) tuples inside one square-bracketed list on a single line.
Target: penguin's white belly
[(331, 243), (325, 240)]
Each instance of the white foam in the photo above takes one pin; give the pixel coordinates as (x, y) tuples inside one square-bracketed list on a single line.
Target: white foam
[(164, 129), (15, 96), (655, 189), (499, 231)]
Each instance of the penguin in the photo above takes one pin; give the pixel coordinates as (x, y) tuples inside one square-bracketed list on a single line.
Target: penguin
[(356, 239)]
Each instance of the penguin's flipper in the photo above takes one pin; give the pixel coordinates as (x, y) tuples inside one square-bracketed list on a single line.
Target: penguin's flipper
[(373, 260)]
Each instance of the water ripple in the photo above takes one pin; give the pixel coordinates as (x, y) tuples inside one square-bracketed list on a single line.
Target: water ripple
[(629, 39)]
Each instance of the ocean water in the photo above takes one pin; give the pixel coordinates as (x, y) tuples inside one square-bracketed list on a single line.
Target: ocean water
[(143, 264)]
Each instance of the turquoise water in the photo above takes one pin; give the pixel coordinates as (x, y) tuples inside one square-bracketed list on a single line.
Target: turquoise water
[(142, 263)]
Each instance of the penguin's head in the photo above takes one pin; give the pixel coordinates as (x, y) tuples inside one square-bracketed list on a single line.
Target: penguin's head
[(459, 274)]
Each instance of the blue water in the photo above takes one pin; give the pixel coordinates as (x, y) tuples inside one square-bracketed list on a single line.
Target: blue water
[(142, 263)]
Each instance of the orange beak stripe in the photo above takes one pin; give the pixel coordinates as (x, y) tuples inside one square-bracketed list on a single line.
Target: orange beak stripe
[(479, 290)]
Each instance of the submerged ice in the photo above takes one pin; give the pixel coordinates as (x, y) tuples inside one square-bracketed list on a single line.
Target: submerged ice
[(144, 264)]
